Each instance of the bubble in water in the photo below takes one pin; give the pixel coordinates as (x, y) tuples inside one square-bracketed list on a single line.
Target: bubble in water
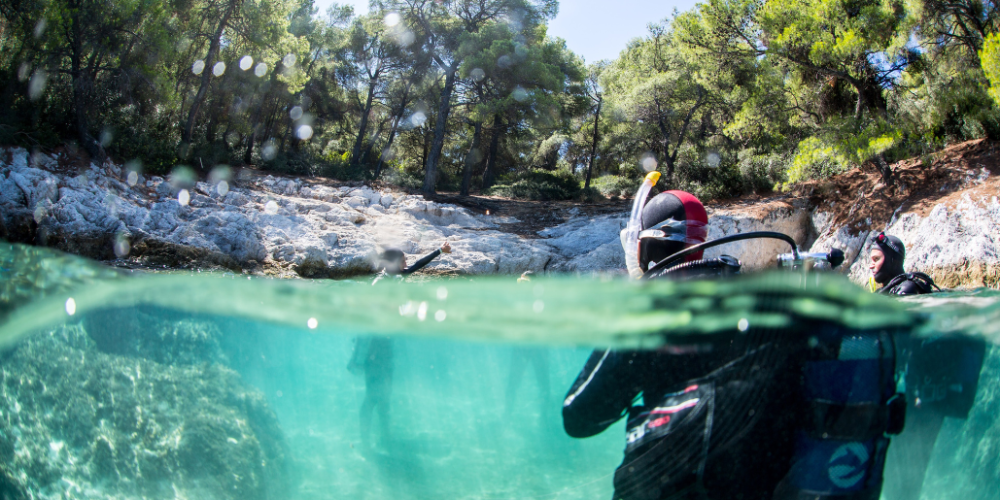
[(219, 69), (392, 19), (538, 306), (133, 178), (246, 62), (40, 27), (440, 316), (648, 163), (418, 119), (222, 188), (712, 159), (477, 74), (184, 197), (519, 94), (312, 323), (122, 246), (304, 132), (442, 293), (295, 113), (289, 60), (422, 311), (269, 151), (37, 84), (198, 67), (70, 306), (271, 207), (260, 70)]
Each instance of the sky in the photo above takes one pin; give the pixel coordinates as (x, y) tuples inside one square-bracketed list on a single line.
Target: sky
[(594, 29)]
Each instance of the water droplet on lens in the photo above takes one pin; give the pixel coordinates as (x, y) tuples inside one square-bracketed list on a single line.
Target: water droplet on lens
[(304, 132), (260, 70), (418, 119), (219, 69), (133, 178), (222, 188), (477, 74), (743, 325), (246, 62), (422, 311), (36, 86), (392, 19), (289, 60), (295, 113), (271, 207), (312, 323), (442, 293), (198, 67), (184, 197), (70, 306), (538, 306), (440, 316), (648, 163)]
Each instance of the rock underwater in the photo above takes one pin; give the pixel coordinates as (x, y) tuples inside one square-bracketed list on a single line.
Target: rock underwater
[(79, 422)]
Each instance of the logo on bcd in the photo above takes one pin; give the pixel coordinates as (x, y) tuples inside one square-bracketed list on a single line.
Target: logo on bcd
[(848, 465)]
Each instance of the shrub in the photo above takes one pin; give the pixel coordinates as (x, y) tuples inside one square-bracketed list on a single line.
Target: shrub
[(613, 186), (537, 186)]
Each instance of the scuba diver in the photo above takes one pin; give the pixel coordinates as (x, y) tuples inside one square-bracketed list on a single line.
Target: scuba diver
[(887, 269), (940, 375), (373, 356), (764, 415)]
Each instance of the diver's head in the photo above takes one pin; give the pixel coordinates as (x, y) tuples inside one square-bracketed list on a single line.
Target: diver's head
[(671, 222), (887, 258), (392, 261)]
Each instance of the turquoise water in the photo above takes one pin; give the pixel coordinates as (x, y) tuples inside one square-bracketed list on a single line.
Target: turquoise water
[(126, 384)]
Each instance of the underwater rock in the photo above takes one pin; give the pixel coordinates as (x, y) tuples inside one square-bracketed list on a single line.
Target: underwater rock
[(76, 422)]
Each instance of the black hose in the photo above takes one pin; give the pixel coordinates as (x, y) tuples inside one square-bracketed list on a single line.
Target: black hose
[(721, 241)]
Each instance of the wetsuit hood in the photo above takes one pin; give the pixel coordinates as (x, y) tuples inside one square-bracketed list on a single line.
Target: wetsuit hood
[(691, 220), (895, 254)]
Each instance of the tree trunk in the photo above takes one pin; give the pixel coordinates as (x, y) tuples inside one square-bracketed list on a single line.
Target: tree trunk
[(206, 77), (593, 147), (473, 157), (79, 83), (444, 107), (363, 127), (491, 160), (393, 128)]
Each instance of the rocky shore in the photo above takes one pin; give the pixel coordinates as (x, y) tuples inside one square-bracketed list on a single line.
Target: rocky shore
[(946, 211)]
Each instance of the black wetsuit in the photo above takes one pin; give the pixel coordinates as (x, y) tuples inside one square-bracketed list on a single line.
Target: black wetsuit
[(909, 284), (731, 411)]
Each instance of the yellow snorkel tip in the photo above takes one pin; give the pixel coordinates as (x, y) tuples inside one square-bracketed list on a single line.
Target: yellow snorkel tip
[(652, 177)]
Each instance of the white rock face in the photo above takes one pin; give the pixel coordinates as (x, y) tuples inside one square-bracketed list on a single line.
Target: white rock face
[(320, 230)]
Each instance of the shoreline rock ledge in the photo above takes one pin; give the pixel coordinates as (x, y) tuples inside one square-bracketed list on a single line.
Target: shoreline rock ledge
[(290, 227)]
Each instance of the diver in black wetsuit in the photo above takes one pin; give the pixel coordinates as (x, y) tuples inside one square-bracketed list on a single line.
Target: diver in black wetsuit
[(671, 451), (941, 375), (887, 269), (767, 414), (373, 355)]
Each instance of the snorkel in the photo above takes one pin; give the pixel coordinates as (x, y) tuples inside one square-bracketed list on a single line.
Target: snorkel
[(630, 235)]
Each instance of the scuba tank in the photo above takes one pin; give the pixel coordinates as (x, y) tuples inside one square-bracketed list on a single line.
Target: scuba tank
[(850, 408), (630, 235)]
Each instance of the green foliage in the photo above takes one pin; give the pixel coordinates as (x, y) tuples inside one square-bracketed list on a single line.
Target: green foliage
[(990, 57), (614, 186), (538, 186)]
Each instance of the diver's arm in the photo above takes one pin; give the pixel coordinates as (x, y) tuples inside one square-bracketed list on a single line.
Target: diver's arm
[(421, 263), (601, 394)]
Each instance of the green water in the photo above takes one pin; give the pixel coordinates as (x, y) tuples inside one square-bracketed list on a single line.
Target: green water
[(132, 384)]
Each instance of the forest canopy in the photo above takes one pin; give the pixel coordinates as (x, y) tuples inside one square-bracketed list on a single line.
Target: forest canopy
[(728, 98)]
